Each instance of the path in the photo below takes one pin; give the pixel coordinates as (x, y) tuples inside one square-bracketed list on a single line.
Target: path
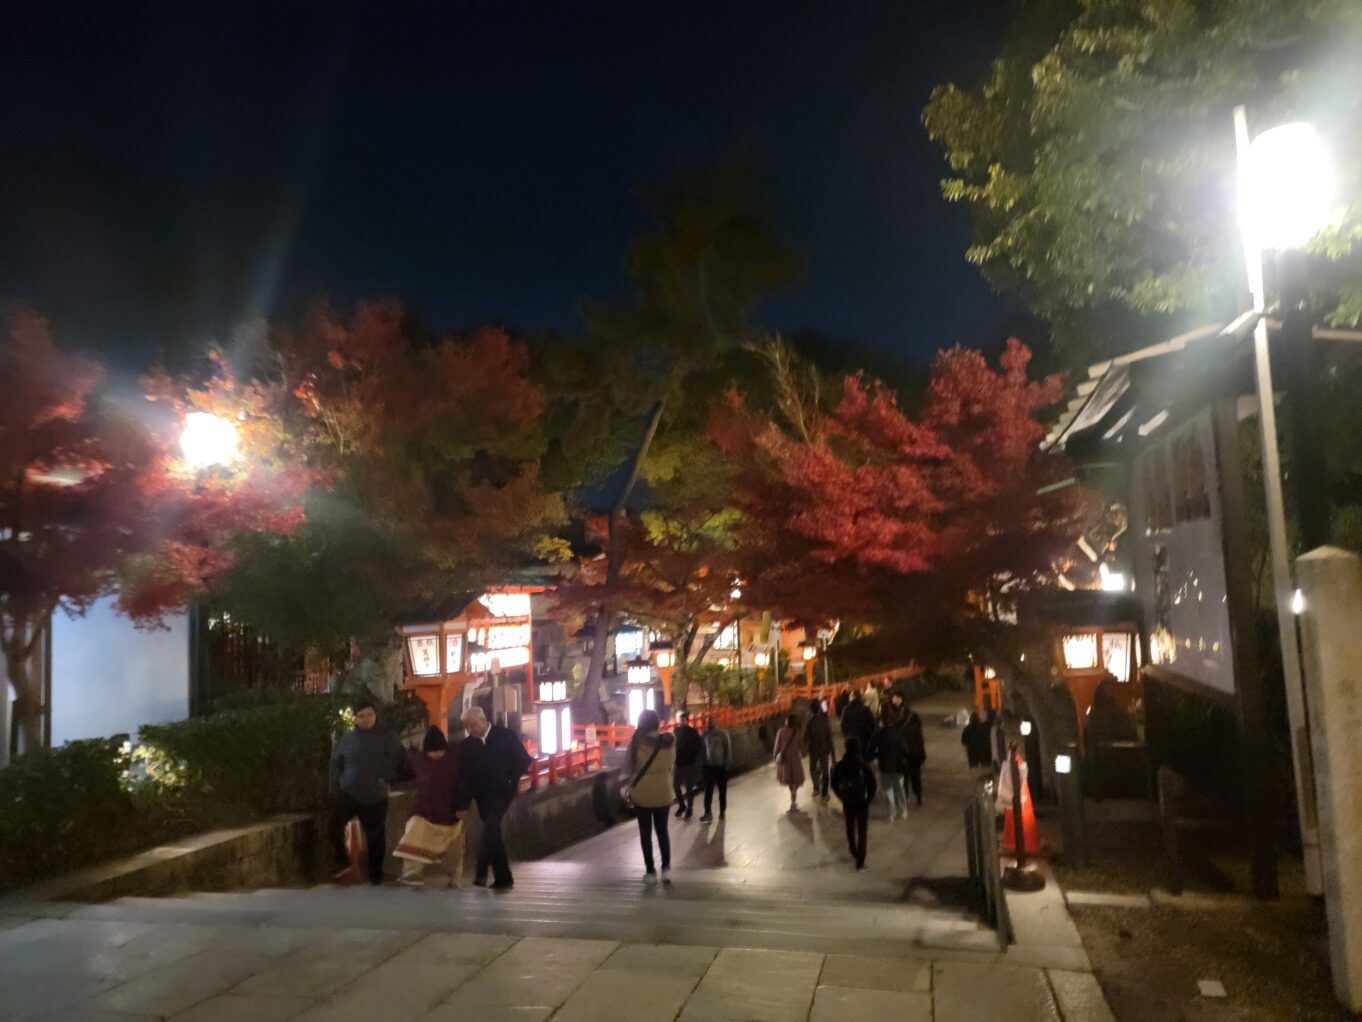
[(766, 922)]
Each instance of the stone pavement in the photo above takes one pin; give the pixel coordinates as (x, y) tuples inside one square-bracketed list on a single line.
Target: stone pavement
[(766, 921)]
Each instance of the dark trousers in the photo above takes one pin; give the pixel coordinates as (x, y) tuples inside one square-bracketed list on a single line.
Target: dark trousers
[(858, 819), (915, 778), (491, 847), (683, 789), (716, 777), (818, 773), (373, 819), (650, 820)]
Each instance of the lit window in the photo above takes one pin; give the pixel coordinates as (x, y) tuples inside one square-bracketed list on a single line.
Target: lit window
[(1080, 651)]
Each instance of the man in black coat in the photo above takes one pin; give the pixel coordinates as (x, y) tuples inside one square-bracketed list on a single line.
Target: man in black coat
[(858, 721), (688, 772), (818, 744), (492, 761)]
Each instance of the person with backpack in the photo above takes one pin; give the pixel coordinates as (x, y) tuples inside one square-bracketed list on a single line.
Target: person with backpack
[(649, 764), (818, 744), (889, 748), (854, 783), (718, 762)]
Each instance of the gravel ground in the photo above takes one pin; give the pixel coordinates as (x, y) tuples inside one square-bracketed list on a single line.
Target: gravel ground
[(1272, 957)]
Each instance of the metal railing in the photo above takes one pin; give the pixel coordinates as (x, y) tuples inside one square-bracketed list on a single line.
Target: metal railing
[(985, 869)]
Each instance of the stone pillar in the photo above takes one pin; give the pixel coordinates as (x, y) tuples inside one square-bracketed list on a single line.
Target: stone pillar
[(1331, 583)]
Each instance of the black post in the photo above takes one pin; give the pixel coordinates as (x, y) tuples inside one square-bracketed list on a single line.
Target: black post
[(1310, 482), (1069, 789)]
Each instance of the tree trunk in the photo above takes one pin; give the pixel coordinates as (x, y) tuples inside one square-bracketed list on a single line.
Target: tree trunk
[(593, 696), (26, 727)]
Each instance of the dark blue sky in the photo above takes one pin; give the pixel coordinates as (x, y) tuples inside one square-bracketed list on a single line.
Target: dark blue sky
[(168, 170)]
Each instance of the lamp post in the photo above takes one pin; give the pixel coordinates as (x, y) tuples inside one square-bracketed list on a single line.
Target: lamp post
[(1286, 193), (664, 658)]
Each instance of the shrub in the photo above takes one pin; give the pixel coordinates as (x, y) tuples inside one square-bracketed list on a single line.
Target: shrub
[(94, 800), (63, 807)]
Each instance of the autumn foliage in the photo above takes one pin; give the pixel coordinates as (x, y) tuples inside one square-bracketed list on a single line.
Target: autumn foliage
[(838, 516), (97, 499)]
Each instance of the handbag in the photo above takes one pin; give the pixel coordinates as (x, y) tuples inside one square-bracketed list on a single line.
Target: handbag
[(628, 788)]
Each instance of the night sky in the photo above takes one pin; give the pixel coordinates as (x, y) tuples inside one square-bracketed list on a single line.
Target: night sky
[(168, 171)]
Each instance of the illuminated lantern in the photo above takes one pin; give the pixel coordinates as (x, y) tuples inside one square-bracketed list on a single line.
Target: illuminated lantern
[(1090, 656), (664, 659), (555, 715), (808, 650), (641, 693)]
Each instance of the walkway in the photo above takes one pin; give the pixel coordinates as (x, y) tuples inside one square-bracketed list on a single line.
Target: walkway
[(766, 922)]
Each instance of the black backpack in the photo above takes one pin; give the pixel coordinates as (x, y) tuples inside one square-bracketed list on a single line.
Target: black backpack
[(851, 786)]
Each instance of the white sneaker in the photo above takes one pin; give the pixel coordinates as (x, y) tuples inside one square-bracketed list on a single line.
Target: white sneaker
[(666, 876), (650, 879)]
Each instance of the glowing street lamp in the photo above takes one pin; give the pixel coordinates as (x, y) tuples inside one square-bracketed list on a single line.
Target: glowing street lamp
[(208, 441), (664, 658), (1287, 187), (808, 650)]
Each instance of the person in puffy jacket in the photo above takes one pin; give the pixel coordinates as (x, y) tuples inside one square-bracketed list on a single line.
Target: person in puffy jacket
[(889, 748), (649, 764), (718, 764)]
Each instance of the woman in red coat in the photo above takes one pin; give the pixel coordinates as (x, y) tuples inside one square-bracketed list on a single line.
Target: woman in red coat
[(789, 755)]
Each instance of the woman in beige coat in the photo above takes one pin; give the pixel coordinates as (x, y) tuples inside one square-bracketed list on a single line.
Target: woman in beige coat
[(650, 760)]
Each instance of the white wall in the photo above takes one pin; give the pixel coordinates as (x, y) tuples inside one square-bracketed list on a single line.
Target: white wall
[(110, 678)]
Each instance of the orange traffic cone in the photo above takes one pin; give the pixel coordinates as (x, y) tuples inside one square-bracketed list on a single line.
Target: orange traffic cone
[(1029, 831)]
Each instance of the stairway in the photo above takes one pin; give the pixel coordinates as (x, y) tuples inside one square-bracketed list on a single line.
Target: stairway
[(734, 908)]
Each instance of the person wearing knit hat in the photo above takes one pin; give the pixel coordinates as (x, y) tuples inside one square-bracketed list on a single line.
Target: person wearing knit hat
[(434, 834)]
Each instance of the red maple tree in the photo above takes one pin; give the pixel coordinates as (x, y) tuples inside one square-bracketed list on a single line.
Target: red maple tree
[(97, 499), (861, 509)]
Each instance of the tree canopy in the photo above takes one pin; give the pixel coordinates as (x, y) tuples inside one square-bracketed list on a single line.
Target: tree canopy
[(1097, 157)]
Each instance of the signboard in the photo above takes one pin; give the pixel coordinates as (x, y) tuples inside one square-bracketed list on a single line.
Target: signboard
[(425, 655), (1180, 567)]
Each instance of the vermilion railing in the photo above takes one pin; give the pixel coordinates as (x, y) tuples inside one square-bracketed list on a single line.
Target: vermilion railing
[(615, 736)]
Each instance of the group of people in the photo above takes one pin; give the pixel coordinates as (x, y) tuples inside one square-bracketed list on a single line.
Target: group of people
[(885, 733), (483, 770), (667, 770)]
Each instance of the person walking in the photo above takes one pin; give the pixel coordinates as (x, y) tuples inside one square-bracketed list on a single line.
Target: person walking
[(492, 760), (688, 774), (718, 762), (434, 832), (917, 750), (789, 757), (858, 721), (978, 743), (895, 710), (818, 744), (872, 699), (854, 783), (649, 761), (363, 763), (889, 748)]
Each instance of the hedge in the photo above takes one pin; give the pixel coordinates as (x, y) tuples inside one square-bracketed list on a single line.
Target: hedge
[(93, 800)]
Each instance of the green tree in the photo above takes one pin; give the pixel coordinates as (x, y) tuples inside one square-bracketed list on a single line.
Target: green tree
[(1097, 157)]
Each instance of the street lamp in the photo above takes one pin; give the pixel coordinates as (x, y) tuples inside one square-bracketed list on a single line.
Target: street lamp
[(1286, 196), (664, 658), (808, 649), (208, 441)]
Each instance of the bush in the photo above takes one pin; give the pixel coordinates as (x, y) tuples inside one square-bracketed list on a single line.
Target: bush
[(93, 800), (266, 759), (63, 807)]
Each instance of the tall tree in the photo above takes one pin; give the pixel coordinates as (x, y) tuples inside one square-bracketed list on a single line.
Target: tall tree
[(1097, 158), (933, 522), (699, 278), (97, 498), (432, 444)]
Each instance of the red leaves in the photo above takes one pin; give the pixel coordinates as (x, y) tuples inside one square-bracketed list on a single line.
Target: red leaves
[(873, 495)]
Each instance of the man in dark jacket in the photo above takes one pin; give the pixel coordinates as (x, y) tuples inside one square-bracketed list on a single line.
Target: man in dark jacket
[(858, 721), (492, 761), (687, 774), (362, 764), (978, 742), (818, 744), (854, 783)]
